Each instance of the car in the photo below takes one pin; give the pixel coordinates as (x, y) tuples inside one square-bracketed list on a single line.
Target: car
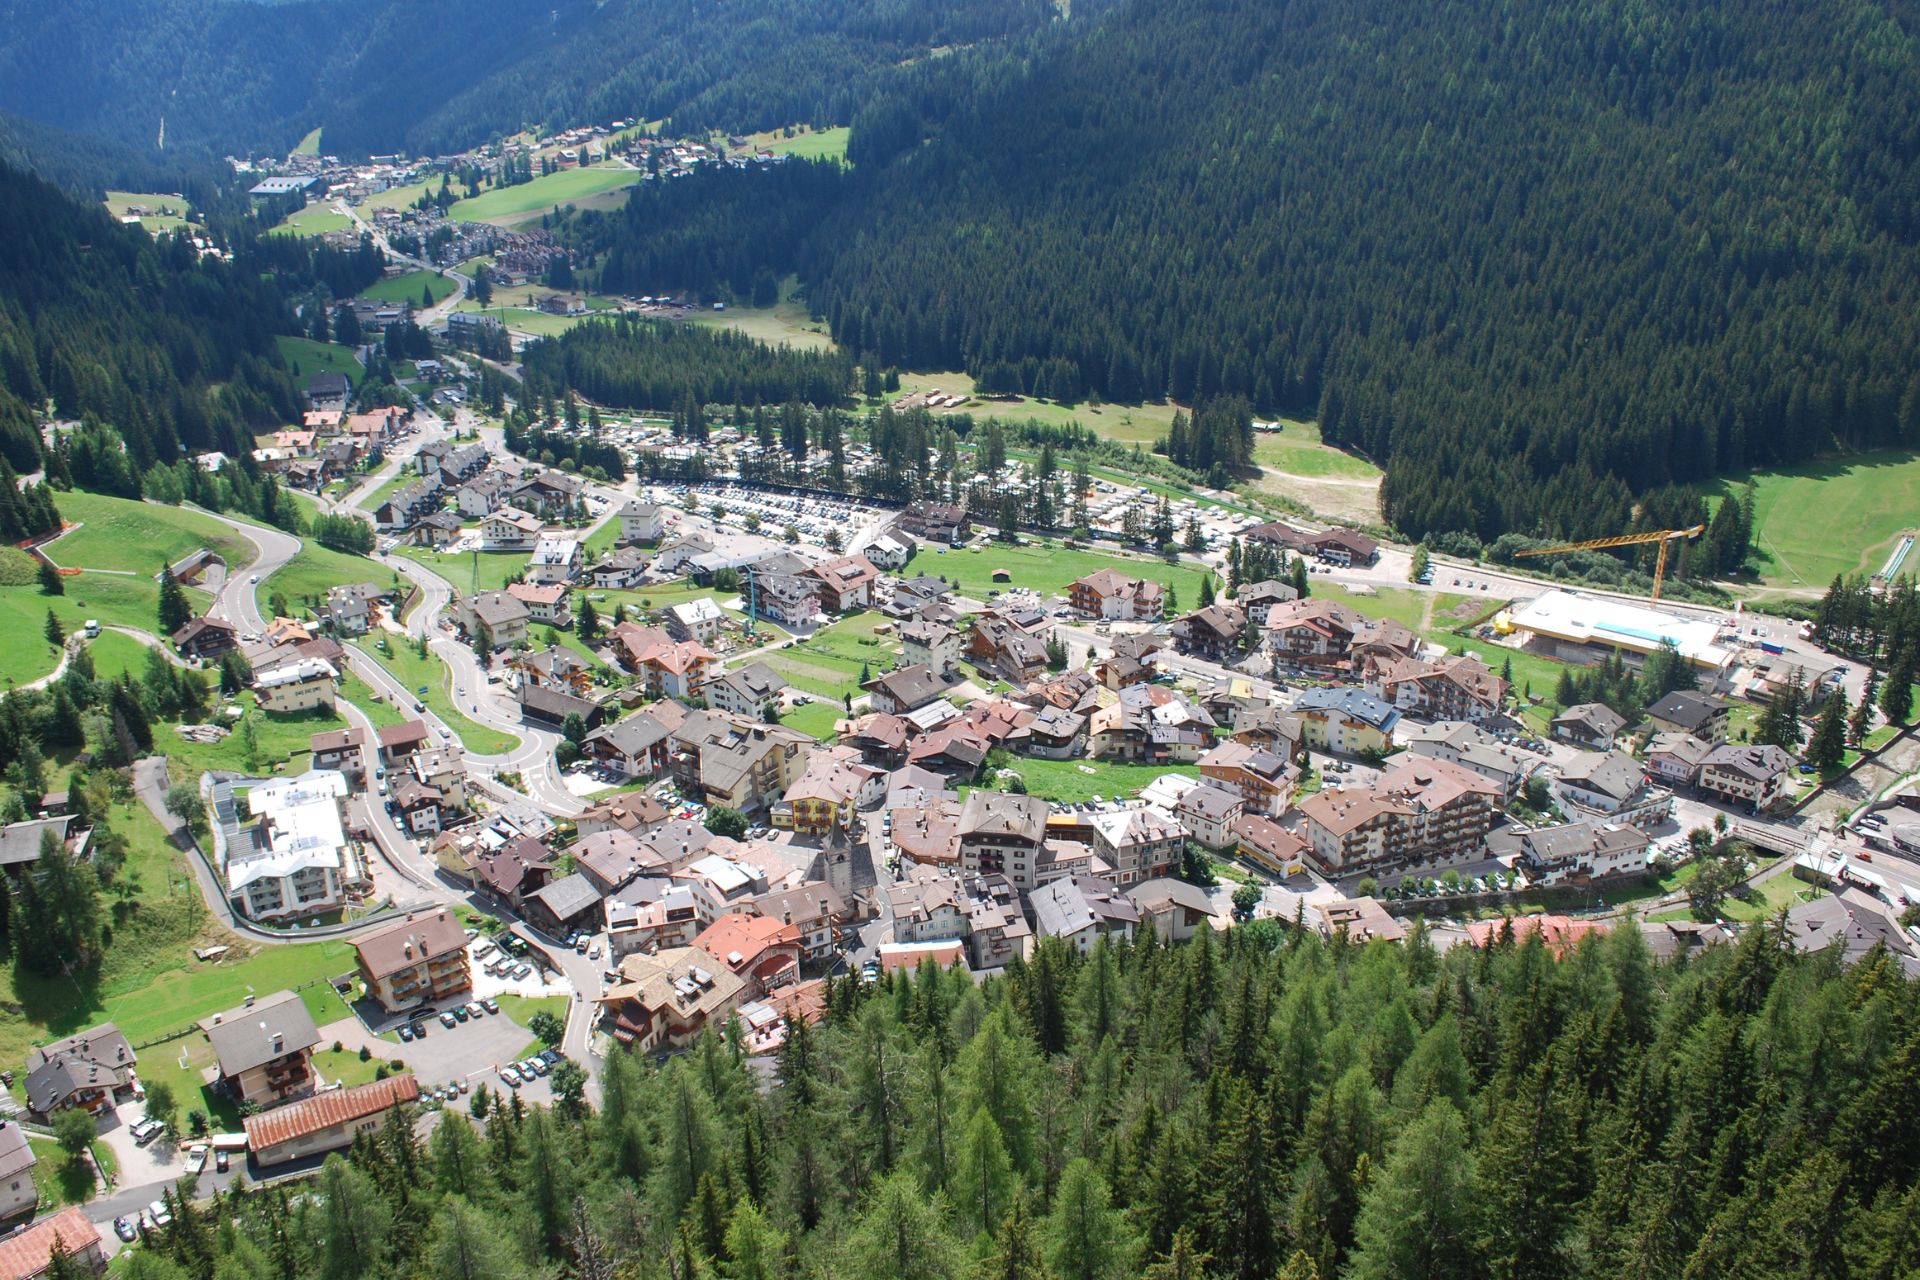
[(490, 1005), (553, 1056), (510, 1076), (460, 1013), (448, 1020), (146, 1131), (419, 1030), (125, 1228), (1807, 768), (465, 1086), (580, 946), (593, 952), (255, 578), (522, 972), (476, 1010), (406, 1032), (159, 1214), (222, 1160), (540, 1066), (573, 938)]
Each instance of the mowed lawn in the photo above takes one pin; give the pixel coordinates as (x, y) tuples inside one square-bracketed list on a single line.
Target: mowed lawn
[(407, 288), (469, 571), (1835, 516), (786, 321), (1049, 569), (829, 662), (823, 144), (307, 357), (170, 212), (1296, 450), (126, 601), (513, 204), (1141, 424), (536, 324), (815, 719), (137, 537), (306, 578), (313, 220), (1072, 781)]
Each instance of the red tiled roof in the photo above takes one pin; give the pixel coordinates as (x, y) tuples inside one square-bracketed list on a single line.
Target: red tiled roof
[(327, 1110), (29, 1253)]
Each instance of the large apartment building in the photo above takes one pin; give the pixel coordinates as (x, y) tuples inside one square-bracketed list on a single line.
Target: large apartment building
[(420, 959)]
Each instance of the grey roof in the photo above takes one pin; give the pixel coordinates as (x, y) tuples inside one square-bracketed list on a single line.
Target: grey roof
[(496, 607), (1211, 802), (1164, 891), (568, 896), (909, 686), (1597, 716), (552, 704), (1357, 704), (249, 1037), (88, 1060), (16, 1155), (756, 683), (1612, 773), (632, 736), (1686, 708), (1755, 762), (20, 841), (1069, 905), (999, 813)]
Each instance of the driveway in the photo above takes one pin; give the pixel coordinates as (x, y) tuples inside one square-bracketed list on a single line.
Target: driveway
[(467, 1050)]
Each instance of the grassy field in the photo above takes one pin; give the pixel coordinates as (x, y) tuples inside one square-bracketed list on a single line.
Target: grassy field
[(127, 601), (1402, 604), (521, 1008), (280, 741), (514, 204), (307, 357), (1049, 569), (315, 568), (537, 324), (824, 144), (1296, 450), (115, 655), (828, 663), (429, 673), (1839, 515), (469, 571), (371, 704), (1071, 781), (171, 209), (1130, 424), (663, 595), (407, 288), (137, 537), (401, 197), (309, 145), (815, 719), (786, 321), (149, 983), (313, 220)]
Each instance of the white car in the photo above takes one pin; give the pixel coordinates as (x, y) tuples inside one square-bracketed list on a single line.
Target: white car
[(196, 1159)]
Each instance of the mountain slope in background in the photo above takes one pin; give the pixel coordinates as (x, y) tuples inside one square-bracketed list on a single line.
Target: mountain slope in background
[(1539, 262), (430, 76)]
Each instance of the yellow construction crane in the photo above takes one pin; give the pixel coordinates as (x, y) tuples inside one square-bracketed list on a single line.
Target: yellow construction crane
[(1665, 537)]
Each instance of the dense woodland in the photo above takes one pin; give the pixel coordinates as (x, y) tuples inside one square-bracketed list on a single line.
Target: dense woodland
[(656, 364), (433, 76), (1538, 267), (1253, 1106)]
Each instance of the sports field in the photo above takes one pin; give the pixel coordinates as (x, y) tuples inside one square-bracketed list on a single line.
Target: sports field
[(1838, 515), (516, 204), (407, 288)]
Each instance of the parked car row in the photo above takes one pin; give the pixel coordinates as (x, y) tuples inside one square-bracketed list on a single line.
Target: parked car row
[(527, 1070)]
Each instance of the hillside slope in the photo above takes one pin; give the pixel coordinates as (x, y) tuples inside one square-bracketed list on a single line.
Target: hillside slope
[(1538, 263), (430, 76)]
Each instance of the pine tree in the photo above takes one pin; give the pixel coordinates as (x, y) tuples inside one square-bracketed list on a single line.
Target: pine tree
[(55, 633), (1896, 698), (1087, 1238), (175, 612), (51, 583), (1827, 748), (983, 1184), (1418, 1217)]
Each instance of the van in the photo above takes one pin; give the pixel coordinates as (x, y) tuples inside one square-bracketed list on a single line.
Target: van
[(92, 629)]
